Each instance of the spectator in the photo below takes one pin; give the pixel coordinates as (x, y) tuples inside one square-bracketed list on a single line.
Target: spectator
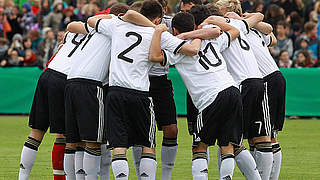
[(308, 9), (185, 5), (273, 15), (36, 39), (283, 43), (13, 59), (68, 16), (284, 60), (304, 60), (4, 24), (303, 45), (15, 19), (28, 19), (248, 5), (29, 58), (54, 18), (310, 29), (258, 6), (27, 44), (46, 47), (45, 8), (78, 10), (291, 6), (3, 48), (35, 8), (16, 44)]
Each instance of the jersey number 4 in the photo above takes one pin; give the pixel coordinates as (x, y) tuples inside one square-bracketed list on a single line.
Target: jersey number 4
[(204, 61), (139, 40)]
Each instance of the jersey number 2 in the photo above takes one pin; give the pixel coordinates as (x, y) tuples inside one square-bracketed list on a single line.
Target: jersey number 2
[(121, 55)]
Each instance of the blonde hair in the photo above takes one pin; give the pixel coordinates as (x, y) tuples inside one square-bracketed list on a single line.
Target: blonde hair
[(230, 6)]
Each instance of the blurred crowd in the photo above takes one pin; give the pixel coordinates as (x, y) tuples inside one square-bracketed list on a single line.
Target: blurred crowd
[(30, 32)]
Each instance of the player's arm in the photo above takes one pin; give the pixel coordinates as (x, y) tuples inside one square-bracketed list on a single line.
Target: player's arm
[(77, 27), (264, 28), (206, 33), (155, 52), (93, 21), (273, 40), (137, 18)]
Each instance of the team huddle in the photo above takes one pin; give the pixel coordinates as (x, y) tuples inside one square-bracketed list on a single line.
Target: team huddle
[(106, 89)]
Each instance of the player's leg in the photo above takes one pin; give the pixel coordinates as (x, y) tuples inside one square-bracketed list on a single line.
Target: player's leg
[(58, 156), (39, 123), (227, 162), (91, 160), (168, 150), (78, 161), (69, 161), (277, 156), (148, 164), (105, 163), (120, 167), (263, 156), (29, 152), (199, 162), (136, 156)]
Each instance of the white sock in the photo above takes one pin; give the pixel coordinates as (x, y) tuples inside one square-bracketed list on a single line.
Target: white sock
[(91, 163), (120, 169), (247, 165), (200, 166), (227, 167), (28, 157), (69, 164), (78, 164), (148, 167), (136, 156), (276, 166), (264, 158), (168, 157), (105, 163)]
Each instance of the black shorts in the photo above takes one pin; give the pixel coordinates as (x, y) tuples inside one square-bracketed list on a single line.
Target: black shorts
[(192, 114), (221, 120), (276, 91), (84, 111), (130, 118), (48, 103), (161, 92), (255, 114)]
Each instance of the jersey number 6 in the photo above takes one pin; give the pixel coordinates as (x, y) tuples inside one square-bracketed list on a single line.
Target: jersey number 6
[(121, 55)]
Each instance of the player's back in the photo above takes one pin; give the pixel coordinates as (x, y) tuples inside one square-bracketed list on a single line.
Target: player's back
[(205, 74), (260, 43), (239, 56), (92, 58), (62, 60)]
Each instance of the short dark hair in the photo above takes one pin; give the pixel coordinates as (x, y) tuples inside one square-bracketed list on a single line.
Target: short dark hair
[(151, 9), (200, 13), (183, 22), (118, 8), (136, 6), (214, 10), (284, 24), (196, 2), (164, 3)]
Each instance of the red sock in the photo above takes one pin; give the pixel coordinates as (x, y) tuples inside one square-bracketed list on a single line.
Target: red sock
[(57, 161)]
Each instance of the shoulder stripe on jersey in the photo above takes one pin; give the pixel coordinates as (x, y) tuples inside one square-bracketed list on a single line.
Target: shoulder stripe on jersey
[(270, 41), (86, 27), (247, 26), (65, 37), (165, 60), (229, 39), (179, 47), (97, 25)]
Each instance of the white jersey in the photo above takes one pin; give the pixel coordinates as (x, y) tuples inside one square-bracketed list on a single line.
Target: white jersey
[(92, 59), (62, 60), (157, 69), (240, 59), (130, 52), (205, 74), (260, 43)]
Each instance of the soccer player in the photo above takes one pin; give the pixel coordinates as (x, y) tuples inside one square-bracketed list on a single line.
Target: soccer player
[(130, 114), (48, 111), (275, 85), (213, 92), (85, 79), (186, 5)]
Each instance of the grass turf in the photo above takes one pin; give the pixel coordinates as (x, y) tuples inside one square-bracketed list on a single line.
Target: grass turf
[(299, 142)]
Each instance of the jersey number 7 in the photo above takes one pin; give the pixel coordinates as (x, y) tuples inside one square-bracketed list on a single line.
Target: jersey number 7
[(139, 40)]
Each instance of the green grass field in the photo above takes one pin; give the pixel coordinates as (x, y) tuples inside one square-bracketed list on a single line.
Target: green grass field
[(299, 141)]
